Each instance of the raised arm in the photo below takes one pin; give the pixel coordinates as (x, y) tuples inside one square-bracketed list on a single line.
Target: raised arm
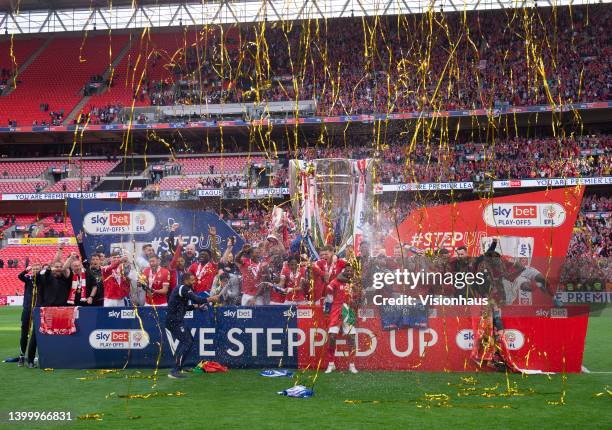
[(228, 250), (79, 239), (58, 254), (22, 275), (241, 253), (173, 228), (214, 249), (177, 253), (68, 262)]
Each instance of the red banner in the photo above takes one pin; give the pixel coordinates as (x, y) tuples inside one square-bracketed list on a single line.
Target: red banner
[(539, 338), (531, 228)]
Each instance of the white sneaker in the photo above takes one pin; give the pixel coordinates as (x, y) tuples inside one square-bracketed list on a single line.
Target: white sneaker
[(352, 368), (330, 367)]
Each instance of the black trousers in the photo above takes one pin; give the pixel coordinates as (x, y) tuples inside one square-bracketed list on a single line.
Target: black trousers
[(185, 341), (32, 346), (26, 314)]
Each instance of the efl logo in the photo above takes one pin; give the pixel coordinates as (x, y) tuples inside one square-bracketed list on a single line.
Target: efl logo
[(514, 338), (121, 219), (525, 212), (120, 336)]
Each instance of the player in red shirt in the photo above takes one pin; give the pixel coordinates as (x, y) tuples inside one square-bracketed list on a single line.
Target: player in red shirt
[(116, 283), (156, 281), (324, 271), (248, 262), (341, 305), (207, 266), (293, 281)]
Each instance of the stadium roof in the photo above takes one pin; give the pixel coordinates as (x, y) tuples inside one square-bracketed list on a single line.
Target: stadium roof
[(49, 16), (11, 5)]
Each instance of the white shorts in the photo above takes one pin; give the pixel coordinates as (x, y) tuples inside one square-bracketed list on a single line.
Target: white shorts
[(116, 303), (163, 304), (247, 297)]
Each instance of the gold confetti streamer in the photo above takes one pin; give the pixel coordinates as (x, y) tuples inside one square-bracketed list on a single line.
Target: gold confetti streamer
[(147, 395), (96, 416)]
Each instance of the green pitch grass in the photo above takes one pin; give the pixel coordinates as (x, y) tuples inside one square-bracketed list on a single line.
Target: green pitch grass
[(243, 399)]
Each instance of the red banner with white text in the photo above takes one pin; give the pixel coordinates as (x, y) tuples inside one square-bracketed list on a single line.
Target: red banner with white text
[(543, 338)]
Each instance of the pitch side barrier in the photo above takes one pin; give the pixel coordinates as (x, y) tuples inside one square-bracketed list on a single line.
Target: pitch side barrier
[(288, 121), (261, 193), (539, 338)]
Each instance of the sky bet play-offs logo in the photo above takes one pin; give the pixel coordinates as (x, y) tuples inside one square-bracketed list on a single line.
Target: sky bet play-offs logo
[(514, 339), (124, 222), (119, 339), (524, 215)]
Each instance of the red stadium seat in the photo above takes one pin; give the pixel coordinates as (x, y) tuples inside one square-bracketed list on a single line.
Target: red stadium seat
[(9, 284), (57, 76)]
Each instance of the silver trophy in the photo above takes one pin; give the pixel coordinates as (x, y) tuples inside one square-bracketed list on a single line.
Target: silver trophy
[(332, 198)]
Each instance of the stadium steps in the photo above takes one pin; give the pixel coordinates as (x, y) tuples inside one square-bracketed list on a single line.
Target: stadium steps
[(26, 63), (105, 76), (121, 185), (129, 166)]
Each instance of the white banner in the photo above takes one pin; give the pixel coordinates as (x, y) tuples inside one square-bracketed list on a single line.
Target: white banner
[(552, 182), (264, 192), (584, 297), (62, 196), (429, 186), (210, 193)]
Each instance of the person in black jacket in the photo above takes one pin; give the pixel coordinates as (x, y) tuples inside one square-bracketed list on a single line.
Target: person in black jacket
[(53, 285), (94, 284), (30, 299), (182, 299)]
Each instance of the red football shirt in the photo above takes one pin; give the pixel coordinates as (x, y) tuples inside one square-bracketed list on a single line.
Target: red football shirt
[(320, 268), (293, 280), (116, 285), (250, 276), (343, 292), (204, 276), (156, 281)]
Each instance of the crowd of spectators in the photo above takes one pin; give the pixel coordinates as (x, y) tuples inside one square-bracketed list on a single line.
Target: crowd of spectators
[(490, 68), (592, 236), (518, 158), (107, 114)]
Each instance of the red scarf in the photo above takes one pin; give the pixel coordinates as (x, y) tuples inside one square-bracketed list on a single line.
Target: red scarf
[(78, 286)]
